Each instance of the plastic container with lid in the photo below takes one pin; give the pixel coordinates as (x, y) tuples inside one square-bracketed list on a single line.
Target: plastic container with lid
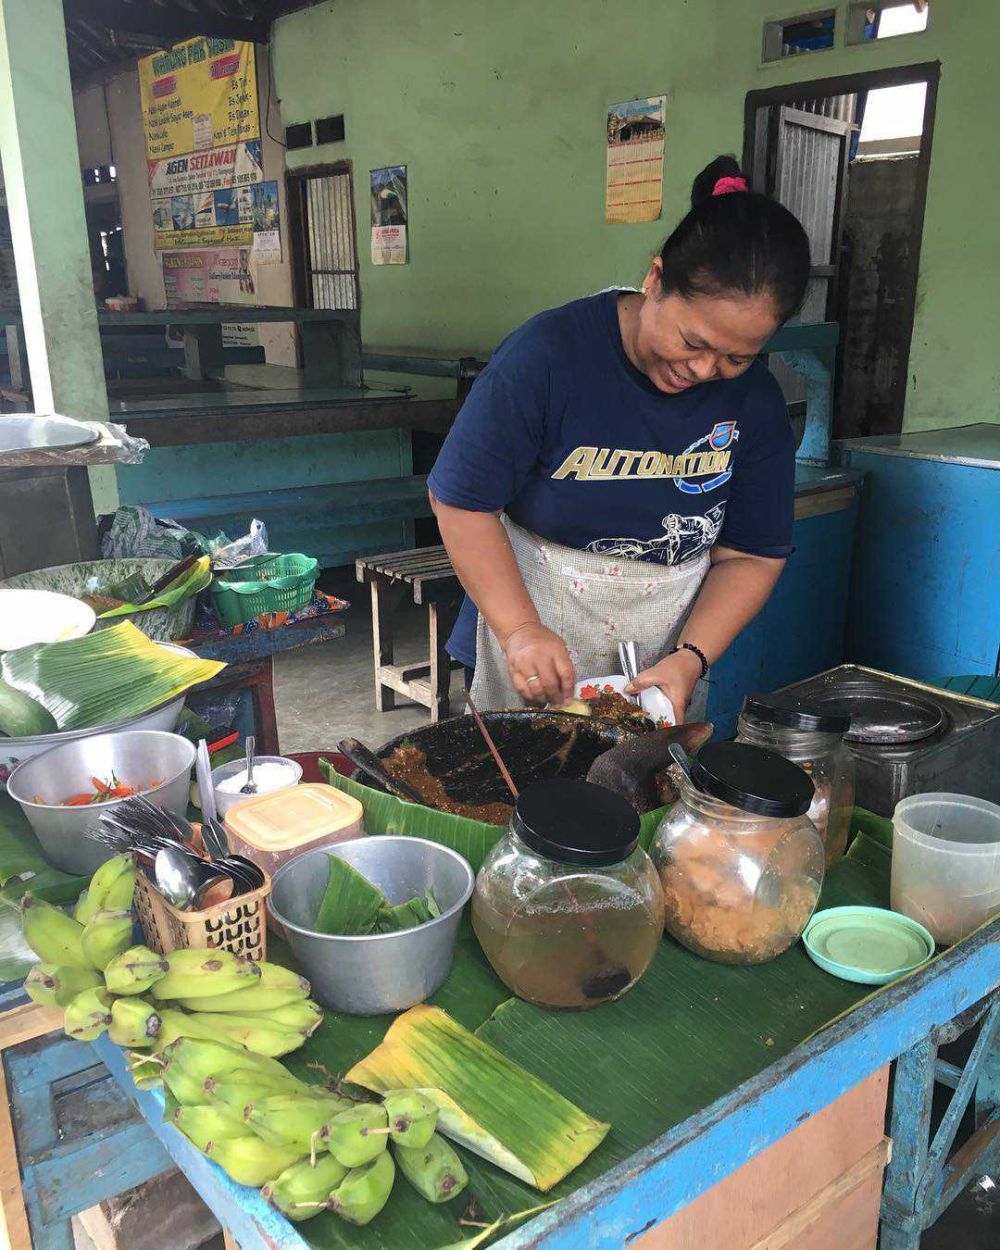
[(740, 861), (813, 738), (567, 906), (946, 862), (271, 829)]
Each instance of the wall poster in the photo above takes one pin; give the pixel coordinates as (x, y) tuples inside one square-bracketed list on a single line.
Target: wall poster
[(266, 223), (636, 139), (220, 275), (389, 215)]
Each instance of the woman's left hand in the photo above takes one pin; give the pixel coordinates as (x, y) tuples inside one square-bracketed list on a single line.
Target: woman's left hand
[(676, 675)]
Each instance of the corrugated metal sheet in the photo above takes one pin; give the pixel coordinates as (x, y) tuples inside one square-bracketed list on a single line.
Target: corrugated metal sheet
[(332, 253)]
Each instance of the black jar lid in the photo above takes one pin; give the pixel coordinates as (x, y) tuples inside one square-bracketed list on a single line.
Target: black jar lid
[(576, 822), (792, 713), (752, 779)]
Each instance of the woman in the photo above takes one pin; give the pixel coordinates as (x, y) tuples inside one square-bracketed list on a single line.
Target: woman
[(624, 466)]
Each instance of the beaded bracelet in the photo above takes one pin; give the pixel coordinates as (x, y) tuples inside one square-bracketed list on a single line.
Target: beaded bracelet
[(689, 646)]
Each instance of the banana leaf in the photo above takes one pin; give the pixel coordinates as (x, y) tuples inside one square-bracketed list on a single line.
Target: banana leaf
[(190, 582), (350, 904), (472, 839), (485, 1102), (104, 677)]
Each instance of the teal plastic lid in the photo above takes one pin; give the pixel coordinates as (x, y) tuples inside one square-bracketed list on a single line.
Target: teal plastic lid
[(870, 945)]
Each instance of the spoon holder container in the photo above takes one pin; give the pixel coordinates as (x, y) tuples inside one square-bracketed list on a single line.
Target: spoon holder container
[(238, 925)]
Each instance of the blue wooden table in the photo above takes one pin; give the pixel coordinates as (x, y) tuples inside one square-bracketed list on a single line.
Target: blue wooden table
[(692, 1156)]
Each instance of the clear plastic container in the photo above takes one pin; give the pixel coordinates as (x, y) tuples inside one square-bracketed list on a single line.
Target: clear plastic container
[(946, 862), (814, 739), (271, 829), (740, 862), (567, 906)]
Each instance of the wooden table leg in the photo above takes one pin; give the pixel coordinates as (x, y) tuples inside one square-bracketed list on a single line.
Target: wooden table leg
[(441, 621), (385, 599)]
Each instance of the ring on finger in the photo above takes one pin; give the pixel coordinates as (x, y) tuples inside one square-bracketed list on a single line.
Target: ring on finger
[(532, 679)]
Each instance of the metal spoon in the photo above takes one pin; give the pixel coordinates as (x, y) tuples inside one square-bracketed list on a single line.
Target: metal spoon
[(629, 665), (682, 760), (182, 878), (249, 787)]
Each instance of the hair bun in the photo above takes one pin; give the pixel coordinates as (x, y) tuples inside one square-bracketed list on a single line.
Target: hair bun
[(703, 186)]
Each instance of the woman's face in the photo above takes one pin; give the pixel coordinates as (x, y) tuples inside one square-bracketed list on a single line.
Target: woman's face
[(679, 342)]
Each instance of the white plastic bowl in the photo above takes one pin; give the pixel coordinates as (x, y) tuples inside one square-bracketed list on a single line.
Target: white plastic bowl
[(30, 616)]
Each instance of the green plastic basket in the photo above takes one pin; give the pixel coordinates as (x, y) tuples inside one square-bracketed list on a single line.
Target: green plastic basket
[(279, 584)]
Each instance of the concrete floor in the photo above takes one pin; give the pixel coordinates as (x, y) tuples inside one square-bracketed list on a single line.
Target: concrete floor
[(326, 693)]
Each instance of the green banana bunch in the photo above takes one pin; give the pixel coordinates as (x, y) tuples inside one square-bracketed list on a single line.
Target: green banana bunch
[(275, 987), (302, 1190), (291, 1120), (243, 1086), (203, 1061), (134, 1022), (303, 1016), (435, 1171), (111, 889), (356, 1136), (88, 1015), (55, 984), (195, 974), (51, 934), (203, 1126), (106, 936), (250, 1161), (412, 1118), (135, 970), (364, 1191)]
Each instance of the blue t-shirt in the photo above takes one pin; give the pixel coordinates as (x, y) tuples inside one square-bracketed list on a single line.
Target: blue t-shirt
[(575, 444)]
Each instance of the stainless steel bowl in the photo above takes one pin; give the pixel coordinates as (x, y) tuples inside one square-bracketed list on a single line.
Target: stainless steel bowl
[(134, 757), (370, 976)]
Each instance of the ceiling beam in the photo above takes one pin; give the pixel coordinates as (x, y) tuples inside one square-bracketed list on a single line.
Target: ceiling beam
[(163, 24)]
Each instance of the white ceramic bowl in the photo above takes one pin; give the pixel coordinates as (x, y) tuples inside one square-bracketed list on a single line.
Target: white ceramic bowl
[(653, 702), (30, 616)]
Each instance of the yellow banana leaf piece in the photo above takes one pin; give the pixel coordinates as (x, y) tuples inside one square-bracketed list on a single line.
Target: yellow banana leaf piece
[(104, 677), (485, 1102), (190, 583)]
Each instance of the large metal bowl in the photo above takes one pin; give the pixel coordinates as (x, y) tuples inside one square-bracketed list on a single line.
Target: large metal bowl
[(370, 976), (14, 751), (40, 786), (90, 577)]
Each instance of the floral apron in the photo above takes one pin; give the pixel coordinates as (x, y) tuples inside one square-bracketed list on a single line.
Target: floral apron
[(593, 602)]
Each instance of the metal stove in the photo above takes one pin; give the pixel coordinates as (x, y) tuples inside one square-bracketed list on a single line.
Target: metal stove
[(910, 738)]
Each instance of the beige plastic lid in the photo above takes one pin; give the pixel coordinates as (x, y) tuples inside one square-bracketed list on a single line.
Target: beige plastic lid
[(287, 819)]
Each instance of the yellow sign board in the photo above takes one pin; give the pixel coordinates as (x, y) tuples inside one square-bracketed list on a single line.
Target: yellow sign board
[(197, 95)]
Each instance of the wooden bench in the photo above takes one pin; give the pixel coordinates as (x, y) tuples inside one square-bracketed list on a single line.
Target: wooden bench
[(428, 574)]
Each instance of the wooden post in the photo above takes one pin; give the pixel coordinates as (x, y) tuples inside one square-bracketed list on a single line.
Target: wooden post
[(385, 599)]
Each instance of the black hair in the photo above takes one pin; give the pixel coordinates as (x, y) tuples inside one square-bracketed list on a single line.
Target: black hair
[(740, 241)]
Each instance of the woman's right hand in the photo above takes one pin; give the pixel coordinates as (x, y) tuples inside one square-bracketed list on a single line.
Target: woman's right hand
[(539, 664)]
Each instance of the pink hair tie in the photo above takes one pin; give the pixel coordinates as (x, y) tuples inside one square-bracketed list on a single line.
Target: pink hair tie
[(725, 185)]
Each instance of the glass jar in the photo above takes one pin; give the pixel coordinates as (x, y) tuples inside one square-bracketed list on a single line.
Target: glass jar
[(813, 738), (567, 906), (740, 862)]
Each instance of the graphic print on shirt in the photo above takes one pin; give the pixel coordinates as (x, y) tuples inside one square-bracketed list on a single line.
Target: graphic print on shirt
[(702, 467), (683, 537)]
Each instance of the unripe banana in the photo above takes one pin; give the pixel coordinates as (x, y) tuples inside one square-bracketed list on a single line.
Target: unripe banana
[(250, 1161), (412, 1118), (304, 1016), (290, 1121), (111, 889), (214, 1059), (204, 1125), (364, 1191), (353, 1136), (134, 1022), (253, 1032), (135, 970), (88, 1015), (148, 1074), (51, 934), (55, 984), (241, 1087), (106, 936), (435, 1171), (203, 973), (302, 1190)]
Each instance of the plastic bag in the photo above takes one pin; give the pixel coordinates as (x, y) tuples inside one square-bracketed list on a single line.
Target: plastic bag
[(230, 554)]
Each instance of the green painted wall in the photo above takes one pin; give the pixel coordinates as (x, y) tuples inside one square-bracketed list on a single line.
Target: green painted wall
[(499, 112)]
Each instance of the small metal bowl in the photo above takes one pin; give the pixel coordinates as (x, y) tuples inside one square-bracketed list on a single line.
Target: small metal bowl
[(133, 756), (383, 972)]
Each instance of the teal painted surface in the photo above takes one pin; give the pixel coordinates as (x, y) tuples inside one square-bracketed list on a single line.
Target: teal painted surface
[(801, 630), (925, 596)]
